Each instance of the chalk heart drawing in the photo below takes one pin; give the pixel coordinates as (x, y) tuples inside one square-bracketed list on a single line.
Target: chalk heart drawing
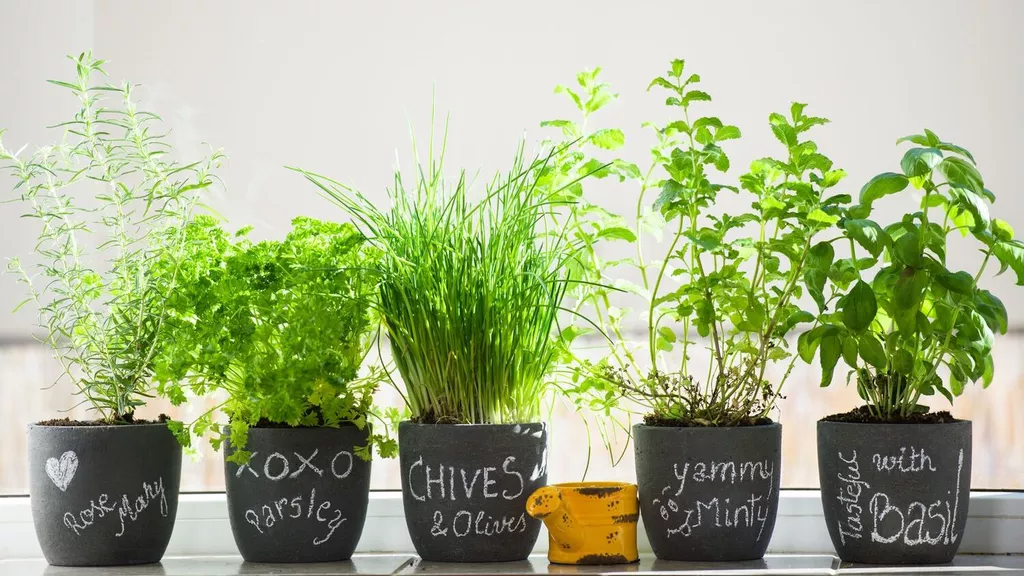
[(63, 470)]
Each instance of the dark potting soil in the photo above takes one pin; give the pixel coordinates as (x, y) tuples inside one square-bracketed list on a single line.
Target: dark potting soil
[(126, 420), (863, 415), (431, 418), (264, 423), (314, 411), (655, 420)]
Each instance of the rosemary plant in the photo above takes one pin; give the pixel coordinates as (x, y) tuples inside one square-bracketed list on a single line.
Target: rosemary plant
[(470, 290), (111, 203)]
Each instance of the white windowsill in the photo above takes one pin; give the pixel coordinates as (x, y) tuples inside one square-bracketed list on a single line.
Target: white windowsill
[(995, 525)]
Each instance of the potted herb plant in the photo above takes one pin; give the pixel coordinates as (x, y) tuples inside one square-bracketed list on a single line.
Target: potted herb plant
[(280, 329), (895, 476), (469, 293), (111, 204), (708, 454)]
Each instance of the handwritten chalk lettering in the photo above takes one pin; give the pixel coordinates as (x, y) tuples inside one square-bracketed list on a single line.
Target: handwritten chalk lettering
[(680, 477), (437, 529), (724, 472), (685, 516), (718, 513), (305, 462), (282, 470), (127, 509), (849, 494), (346, 456), (266, 516), (727, 472), (488, 475), (464, 522), (247, 468), (915, 461), (278, 466), (428, 481), (468, 523), (919, 523), (97, 509)]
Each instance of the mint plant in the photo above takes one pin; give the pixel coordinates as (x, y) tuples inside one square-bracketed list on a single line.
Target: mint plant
[(279, 328), (737, 291), (578, 155), (578, 152), (895, 313), (112, 205)]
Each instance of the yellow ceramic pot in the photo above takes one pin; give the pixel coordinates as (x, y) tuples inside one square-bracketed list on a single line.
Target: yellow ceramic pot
[(588, 522)]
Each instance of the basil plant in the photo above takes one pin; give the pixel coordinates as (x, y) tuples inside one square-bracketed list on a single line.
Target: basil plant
[(894, 311)]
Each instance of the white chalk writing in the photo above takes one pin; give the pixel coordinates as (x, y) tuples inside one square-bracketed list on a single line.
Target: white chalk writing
[(429, 481), (849, 495), (465, 522), (265, 517), (916, 461), (444, 482), (751, 512), (283, 470), (917, 523), (278, 466), (127, 509)]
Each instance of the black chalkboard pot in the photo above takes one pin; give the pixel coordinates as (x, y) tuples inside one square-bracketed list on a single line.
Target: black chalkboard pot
[(465, 486), (302, 497), (895, 493), (708, 494), (103, 495)]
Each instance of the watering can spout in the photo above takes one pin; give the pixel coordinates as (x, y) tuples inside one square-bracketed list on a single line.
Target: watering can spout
[(546, 504)]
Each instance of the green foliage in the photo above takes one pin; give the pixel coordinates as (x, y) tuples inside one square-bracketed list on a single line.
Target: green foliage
[(281, 326), (915, 316), (732, 279), (470, 290), (112, 205)]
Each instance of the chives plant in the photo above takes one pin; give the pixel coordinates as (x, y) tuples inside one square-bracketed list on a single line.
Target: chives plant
[(470, 290)]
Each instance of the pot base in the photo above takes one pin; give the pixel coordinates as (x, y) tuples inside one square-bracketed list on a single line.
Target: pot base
[(103, 495)]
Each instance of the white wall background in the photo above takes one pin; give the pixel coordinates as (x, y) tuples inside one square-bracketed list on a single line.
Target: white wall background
[(333, 86)]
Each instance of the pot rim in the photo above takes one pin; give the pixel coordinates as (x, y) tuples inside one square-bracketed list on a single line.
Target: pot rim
[(955, 422), (772, 425), (347, 425), (99, 427), (476, 426)]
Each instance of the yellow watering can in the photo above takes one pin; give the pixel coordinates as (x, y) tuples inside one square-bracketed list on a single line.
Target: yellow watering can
[(588, 522)]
